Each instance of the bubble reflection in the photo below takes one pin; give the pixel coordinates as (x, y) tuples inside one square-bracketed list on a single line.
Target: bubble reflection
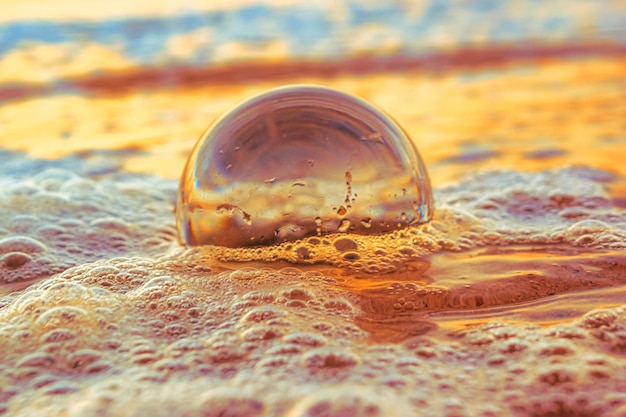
[(300, 161)]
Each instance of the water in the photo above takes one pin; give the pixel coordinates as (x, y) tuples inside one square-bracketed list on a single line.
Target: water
[(508, 302), (300, 161)]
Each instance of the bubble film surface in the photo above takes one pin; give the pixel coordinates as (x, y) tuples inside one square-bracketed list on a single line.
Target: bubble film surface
[(300, 161)]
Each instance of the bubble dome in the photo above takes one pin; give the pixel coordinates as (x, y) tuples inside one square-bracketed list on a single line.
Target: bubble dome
[(300, 161)]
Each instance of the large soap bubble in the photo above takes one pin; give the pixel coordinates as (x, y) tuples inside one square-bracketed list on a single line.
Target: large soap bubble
[(300, 161)]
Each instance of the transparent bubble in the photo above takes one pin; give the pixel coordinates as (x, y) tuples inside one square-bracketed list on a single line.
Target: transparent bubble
[(300, 161)]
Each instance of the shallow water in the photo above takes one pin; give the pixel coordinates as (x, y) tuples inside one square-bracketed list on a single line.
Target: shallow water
[(509, 302)]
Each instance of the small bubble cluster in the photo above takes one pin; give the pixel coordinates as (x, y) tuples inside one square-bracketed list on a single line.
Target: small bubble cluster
[(300, 161), (58, 219)]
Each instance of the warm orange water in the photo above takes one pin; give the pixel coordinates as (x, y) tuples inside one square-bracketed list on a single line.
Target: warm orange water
[(459, 317), (524, 115)]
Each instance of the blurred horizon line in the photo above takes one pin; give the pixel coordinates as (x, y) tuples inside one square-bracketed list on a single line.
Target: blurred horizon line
[(125, 81)]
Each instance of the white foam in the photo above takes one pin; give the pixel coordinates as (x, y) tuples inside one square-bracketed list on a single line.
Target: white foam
[(130, 324)]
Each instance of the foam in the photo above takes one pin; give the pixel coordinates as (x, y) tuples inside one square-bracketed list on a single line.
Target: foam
[(58, 219), (129, 323)]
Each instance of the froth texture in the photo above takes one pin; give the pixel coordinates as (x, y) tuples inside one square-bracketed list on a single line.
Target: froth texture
[(150, 328), (58, 219), (135, 336)]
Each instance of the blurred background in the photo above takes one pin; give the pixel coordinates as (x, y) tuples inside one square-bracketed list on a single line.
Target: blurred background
[(478, 84)]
